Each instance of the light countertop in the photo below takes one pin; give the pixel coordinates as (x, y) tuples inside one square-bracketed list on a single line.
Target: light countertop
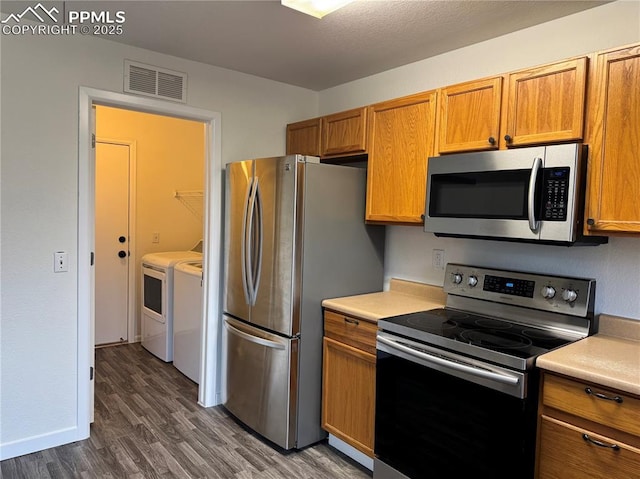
[(403, 297), (610, 358)]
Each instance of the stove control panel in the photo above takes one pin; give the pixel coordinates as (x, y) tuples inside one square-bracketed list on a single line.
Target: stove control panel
[(558, 294)]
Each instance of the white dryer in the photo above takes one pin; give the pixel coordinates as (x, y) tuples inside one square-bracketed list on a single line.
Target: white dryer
[(157, 300), (187, 318)]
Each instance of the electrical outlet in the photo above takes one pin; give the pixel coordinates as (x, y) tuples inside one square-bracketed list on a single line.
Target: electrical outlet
[(60, 262), (437, 259), (156, 238)]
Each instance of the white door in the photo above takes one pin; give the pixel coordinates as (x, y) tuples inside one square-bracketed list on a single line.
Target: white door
[(111, 243)]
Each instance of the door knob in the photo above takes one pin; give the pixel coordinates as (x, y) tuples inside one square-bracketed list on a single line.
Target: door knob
[(122, 239), (122, 254)]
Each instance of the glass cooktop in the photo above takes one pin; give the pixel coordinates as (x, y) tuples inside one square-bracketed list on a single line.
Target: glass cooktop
[(467, 329)]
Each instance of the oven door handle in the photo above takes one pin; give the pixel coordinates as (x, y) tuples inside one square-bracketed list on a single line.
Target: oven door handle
[(457, 366)]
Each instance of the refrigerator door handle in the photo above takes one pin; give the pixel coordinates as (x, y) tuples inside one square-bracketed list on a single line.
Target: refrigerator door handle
[(255, 339), (256, 266), (250, 242), (245, 239)]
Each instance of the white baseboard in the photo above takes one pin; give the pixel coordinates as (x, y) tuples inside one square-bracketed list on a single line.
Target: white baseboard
[(351, 451), (38, 443)]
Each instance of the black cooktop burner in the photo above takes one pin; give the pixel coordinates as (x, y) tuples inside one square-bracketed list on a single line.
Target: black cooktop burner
[(495, 339), (488, 333)]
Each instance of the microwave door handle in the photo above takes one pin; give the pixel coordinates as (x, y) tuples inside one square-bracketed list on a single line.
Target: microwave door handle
[(531, 206)]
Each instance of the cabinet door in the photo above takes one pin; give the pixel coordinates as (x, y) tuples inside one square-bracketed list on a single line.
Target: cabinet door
[(344, 133), (401, 134), (469, 116), (348, 394), (570, 452), (614, 142), (303, 137), (546, 104)]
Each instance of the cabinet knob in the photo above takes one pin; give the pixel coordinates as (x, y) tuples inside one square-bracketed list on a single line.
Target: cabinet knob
[(591, 222), (508, 138), (122, 254), (492, 140)]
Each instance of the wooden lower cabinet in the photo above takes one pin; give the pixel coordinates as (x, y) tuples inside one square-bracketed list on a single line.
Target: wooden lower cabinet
[(348, 389), (570, 452), (587, 431)]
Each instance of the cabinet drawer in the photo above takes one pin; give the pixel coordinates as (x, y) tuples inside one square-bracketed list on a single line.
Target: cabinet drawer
[(355, 332), (569, 452), (589, 401)]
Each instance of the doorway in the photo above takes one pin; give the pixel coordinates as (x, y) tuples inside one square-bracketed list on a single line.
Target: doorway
[(209, 390)]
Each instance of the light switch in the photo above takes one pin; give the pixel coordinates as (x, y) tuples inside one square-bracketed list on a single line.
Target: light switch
[(60, 262)]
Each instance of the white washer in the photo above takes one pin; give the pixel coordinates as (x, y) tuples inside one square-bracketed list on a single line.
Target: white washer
[(157, 300), (187, 318)]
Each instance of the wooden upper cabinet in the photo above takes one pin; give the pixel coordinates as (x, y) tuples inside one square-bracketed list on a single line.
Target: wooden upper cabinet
[(613, 196), (401, 137), (546, 104), (303, 137), (469, 116), (344, 133)]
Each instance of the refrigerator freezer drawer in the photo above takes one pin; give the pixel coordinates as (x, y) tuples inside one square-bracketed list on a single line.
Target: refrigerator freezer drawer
[(260, 381)]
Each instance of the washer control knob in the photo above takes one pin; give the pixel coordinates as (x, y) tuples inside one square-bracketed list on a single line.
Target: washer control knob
[(457, 278), (548, 292), (472, 281), (569, 295)]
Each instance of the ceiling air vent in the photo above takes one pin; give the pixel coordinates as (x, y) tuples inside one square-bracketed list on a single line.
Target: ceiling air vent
[(153, 81)]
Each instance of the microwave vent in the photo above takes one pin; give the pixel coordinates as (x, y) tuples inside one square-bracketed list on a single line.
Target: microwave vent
[(154, 81)]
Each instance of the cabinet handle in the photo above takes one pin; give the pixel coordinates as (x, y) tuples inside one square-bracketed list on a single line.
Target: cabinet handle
[(352, 321), (492, 140), (586, 437), (508, 138), (590, 391)]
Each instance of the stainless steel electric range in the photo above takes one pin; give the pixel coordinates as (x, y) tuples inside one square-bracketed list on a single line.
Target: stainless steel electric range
[(457, 387)]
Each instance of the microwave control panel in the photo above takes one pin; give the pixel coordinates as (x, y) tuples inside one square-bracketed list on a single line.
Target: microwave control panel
[(555, 192)]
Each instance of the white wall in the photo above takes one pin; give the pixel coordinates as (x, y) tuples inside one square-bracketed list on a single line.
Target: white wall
[(608, 26), (39, 170), (615, 266)]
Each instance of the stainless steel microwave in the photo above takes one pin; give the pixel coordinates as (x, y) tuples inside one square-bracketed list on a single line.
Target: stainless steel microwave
[(533, 194)]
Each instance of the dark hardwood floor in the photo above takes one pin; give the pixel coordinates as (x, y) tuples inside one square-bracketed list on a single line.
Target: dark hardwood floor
[(149, 425)]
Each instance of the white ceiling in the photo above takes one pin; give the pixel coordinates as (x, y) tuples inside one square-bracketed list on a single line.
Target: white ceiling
[(366, 37)]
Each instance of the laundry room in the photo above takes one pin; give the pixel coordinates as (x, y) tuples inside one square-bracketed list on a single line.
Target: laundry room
[(149, 203)]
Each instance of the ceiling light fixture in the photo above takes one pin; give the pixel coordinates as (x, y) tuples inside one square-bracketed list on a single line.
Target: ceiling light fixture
[(315, 8)]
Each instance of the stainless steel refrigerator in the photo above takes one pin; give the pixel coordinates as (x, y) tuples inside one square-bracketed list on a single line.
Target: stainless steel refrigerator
[(294, 235)]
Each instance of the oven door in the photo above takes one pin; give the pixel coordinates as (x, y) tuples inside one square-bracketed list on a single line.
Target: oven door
[(444, 415)]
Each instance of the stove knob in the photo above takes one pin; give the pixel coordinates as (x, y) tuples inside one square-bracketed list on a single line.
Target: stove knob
[(548, 292), (472, 281), (569, 295), (457, 278)]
